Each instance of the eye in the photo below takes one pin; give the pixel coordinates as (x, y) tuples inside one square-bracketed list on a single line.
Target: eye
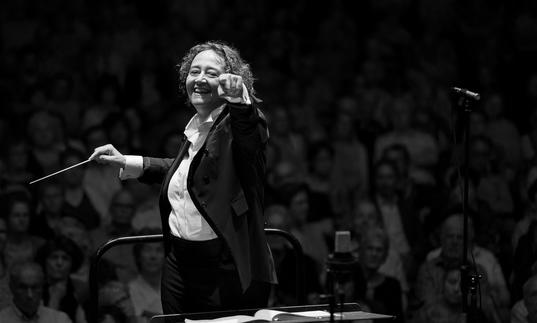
[(194, 72), (212, 74)]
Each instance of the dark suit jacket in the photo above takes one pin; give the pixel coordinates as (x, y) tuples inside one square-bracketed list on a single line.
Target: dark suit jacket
[(226, 183)]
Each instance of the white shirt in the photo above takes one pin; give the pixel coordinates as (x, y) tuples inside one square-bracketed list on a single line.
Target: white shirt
[(185, 220)]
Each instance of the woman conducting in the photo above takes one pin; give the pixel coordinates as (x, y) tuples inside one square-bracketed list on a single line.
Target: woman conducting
[(211, 198)]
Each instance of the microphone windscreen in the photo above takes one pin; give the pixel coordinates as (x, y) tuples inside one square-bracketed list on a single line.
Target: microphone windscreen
[(342, 242)]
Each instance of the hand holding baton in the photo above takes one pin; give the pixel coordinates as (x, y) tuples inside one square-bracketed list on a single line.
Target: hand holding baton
[(106, 154)]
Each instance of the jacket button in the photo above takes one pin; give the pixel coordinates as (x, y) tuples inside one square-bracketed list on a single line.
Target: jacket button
[(203, 205), (206, 179)]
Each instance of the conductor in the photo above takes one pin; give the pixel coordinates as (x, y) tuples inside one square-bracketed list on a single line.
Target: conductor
[(211, 197)]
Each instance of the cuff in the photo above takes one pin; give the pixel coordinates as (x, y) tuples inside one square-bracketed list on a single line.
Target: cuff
[(134, 167), (245, 99)]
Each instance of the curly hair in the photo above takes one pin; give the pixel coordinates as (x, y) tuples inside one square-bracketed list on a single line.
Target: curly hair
[(233, 62)]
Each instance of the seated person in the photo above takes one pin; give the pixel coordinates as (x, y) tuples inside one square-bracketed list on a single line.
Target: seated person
[(122, 211), (448, 308), (114, 294), (20, 245), (60, 257), (429, 282), (383, 293), (285, 261), (145, 288), (26, 284)]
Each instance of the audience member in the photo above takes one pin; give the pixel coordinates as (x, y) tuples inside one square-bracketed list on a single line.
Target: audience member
[(60, 257), (62, 102), (314, 236), (115, 294), (16, 171), (448, 307), (383, 293), (121, 213), (26, 281), (108, 97), (144, 290), (20, 244), (423, 147), (290, 146), (52, 209), (352, 176), (285, 261), (501, 131), (75, 230), (328, 198), (46, 144), (367, 216), (76, 198), (400, 219), (100, 181), (429, 281)]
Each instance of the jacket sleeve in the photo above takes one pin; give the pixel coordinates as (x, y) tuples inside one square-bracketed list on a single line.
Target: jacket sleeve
[(155, 170), (249, 129), (250, 136)]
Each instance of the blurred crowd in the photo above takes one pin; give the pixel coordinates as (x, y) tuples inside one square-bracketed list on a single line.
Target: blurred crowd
[(366, 137)]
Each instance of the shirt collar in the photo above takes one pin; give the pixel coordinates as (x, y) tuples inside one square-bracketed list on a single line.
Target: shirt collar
[(195, 125)]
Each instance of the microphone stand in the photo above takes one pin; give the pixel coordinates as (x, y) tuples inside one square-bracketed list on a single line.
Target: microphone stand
[(340, 267), (469, 278)]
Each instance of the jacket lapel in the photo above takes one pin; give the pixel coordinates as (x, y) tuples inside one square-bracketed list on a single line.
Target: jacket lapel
[(182, 152)]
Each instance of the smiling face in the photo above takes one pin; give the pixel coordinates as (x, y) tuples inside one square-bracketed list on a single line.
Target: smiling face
[(202, 81)]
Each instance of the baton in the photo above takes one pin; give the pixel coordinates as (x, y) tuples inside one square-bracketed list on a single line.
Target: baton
[(60, 171)]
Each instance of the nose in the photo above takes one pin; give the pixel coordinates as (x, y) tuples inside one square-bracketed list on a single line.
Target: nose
[(201, 78)]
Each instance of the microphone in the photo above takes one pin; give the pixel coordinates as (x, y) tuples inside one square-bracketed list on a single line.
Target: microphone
[(466, 93), (342, 260)]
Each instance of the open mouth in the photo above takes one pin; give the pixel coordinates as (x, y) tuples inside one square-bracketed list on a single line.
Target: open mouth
[(202, 91)]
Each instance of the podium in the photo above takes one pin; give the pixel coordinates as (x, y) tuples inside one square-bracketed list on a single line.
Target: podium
[(347, 312)]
